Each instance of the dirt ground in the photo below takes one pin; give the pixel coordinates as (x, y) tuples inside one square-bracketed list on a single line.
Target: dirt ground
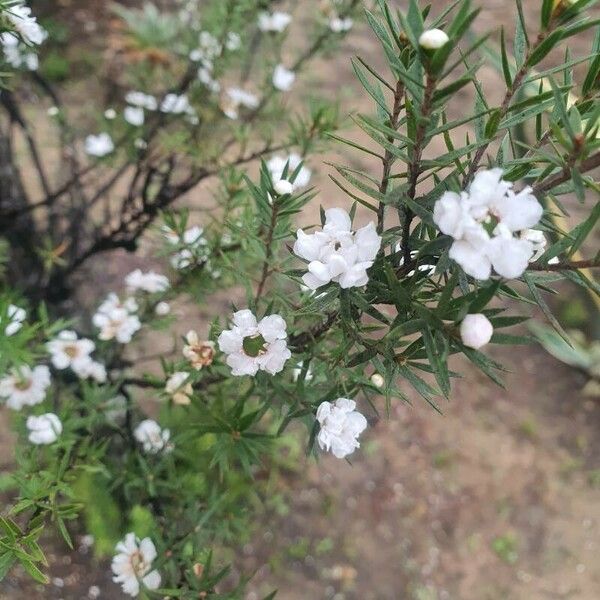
[(498, 499)]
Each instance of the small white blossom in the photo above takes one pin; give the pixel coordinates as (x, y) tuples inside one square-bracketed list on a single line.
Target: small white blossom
[(25, 24), (150, 281), (53, 111), (162, 309), (274, 22), (283, 78), (340, 425), (340, 24), (134, 115), (198, 353), (15, 316), (476, 330), (236, 97), (116, 319), (44, 429), (25, 386), (99, 145), (176, 104), (132, 565), (179, 388), (252, 346), (490, 223), (192, 243), (336, 253), (93, 370), (142, 100), (205, 77), (153, 438), (233, 41), (432, 39), (17, 54), (538, 241), (110, 114), (277, 164), (66, 350)]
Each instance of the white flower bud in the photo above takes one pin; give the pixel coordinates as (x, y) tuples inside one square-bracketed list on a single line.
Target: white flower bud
[(432, 39), (162, 309), (476, 331), (377, 380), (283, 187)]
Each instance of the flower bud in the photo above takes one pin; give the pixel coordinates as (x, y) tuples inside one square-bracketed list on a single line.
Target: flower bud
[(377, 380), (476, 331), (432, 39), (283, 187), (162, 309)]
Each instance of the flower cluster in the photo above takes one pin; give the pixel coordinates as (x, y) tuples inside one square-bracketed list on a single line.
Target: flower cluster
[(253, 345), (274, 22), (490, 224), (340, 427), (99, 145), (44, 429), (336, 253), (15, 316), (150, 282)]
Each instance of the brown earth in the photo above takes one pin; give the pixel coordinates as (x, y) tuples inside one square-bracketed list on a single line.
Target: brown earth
[(498, 499)]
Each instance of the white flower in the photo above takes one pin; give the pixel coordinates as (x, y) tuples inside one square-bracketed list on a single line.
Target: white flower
[(476, 331), (92, 370), (179, 388), (233, 41), (142, 100), (432, 39), (340, 24), (337, 253), (44, 429), (15, 315), (252, 346), (489, 223), (110, 114), (99, 145), (132, 565), (176, 104), (198, 353), (205, 77), (236, 97), (276, 21), (340, 427), (283, 78), (18, 55), (537, 240), (283, 187), (134, 115), (377, 380), (25, 24), (194, 246), (152, 437), (116, 321), (162, 309), (277, 164), (25, 386), (150, 281), (68, 351)]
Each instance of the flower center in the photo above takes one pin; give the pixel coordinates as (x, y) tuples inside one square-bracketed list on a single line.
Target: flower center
[(23, 384), (137, 563), (71, 351), (254, 345)]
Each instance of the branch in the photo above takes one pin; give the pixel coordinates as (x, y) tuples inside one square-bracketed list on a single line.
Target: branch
[(573, 265), (589, 164)]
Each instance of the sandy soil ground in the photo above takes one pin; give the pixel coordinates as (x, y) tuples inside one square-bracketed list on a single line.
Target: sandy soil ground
[(499, 499)]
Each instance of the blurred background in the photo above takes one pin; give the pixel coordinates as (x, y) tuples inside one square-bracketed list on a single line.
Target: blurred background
[(498, 499)]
